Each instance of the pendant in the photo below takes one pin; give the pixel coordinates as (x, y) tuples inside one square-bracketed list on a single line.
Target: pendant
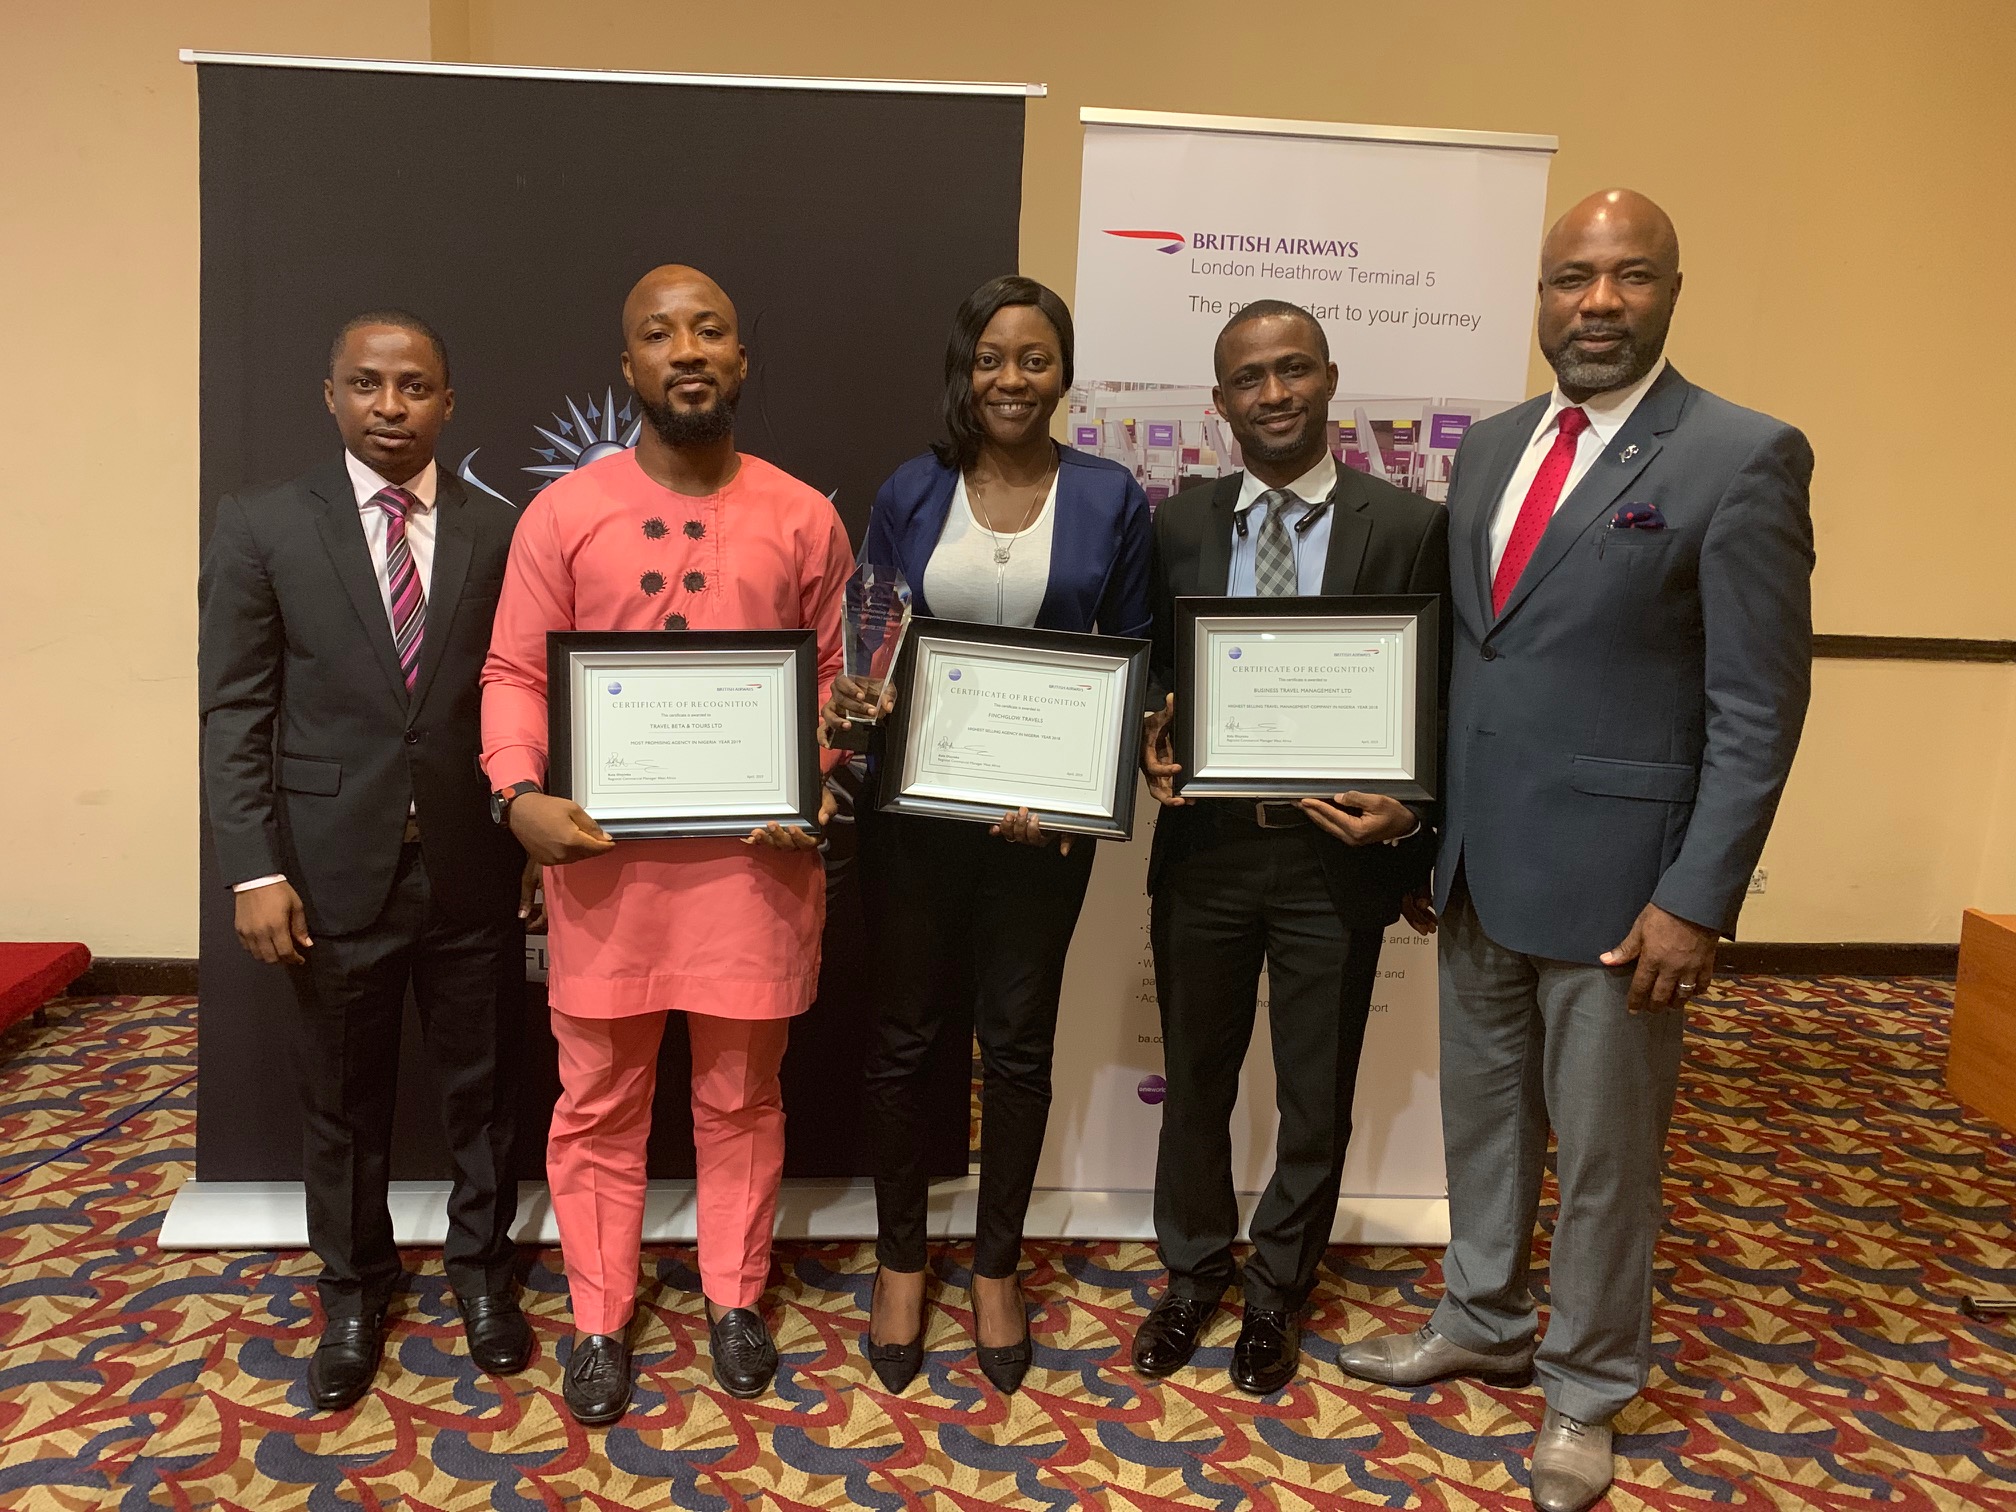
[(1001, 555)]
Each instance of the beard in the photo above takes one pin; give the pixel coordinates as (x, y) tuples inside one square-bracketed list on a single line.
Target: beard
[(1636, 355), (688, 427), (1264, 449)]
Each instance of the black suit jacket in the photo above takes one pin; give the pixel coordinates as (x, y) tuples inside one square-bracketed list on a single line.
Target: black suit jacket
[(312, 748), (1382, 540)]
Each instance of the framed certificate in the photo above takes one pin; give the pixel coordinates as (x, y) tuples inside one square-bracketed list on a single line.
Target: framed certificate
[(991, 718), (661, 734), (1307, 697)]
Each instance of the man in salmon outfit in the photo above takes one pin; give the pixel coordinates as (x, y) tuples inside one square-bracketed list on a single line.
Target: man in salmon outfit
[(683, 532)]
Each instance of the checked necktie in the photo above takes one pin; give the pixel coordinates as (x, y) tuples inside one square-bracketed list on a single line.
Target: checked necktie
[(409, 602), (1538, 509), (1274, 554)]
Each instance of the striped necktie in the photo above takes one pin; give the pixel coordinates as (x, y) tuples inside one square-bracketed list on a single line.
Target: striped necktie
[(402, 582), (1274, 554)]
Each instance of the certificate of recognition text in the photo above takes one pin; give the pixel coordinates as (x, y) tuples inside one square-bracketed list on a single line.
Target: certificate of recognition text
[(1004, 726)]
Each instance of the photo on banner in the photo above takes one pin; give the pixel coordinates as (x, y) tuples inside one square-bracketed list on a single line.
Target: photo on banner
[(1416, 251)]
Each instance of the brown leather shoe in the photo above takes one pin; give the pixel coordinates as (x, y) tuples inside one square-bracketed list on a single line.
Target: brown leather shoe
[(1420, 1357), (1571, 1463)]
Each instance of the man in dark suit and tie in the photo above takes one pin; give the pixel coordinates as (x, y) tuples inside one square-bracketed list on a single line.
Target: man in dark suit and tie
[(344, 619), (1306, 888), (1631, 560)]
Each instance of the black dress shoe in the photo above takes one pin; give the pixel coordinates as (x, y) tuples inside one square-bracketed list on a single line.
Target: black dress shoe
[(597, 1384), (500, 1340), (1268, 1353), (345, 1360), (895, 1365), (744, 1357), (1168, 1336)]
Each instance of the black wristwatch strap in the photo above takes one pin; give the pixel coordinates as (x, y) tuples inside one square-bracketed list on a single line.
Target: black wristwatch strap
[(500, 802)]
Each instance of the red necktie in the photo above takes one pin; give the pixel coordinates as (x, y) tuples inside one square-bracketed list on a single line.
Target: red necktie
[(409, 601), (1538, 508)]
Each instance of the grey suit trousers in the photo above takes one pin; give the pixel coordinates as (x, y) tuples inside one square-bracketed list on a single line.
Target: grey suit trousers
[(1526, 1042)]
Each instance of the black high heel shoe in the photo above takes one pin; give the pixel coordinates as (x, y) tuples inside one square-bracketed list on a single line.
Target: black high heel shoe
[(1006, 1365), (895, 1365)]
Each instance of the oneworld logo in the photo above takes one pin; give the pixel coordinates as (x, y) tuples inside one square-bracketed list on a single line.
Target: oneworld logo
[(953, 674), (1234, 653), (615, 688)]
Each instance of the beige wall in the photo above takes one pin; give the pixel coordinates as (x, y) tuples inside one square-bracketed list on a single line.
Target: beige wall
[(1838, 171)]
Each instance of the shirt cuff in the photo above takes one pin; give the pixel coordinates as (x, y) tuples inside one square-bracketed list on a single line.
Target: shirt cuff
[(1403, 839), (238, 887), (510, 765)]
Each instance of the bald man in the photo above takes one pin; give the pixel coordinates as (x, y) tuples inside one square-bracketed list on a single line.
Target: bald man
[(1631, 560), (683, 533)]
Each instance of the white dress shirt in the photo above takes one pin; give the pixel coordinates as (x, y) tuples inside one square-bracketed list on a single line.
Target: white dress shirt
[(1607, 414), (1311, 546), (419, 541)]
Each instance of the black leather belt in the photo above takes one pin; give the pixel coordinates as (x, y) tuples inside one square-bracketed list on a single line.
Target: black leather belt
[(1269, 814)]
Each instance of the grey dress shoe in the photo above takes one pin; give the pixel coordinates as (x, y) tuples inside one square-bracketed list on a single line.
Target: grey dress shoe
[(1571, 1463), (1420, 1357)]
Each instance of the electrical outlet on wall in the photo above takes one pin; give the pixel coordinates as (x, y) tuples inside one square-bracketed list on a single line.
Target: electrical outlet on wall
[(1759, 880)]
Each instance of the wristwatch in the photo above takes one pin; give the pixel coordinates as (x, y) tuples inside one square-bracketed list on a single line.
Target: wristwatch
[(500, 803)]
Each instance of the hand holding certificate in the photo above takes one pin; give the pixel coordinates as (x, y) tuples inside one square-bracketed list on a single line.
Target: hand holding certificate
[(1306, 697)]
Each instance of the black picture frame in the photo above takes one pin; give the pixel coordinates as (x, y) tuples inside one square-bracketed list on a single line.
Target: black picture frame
[(1117, 823), (1419, 786), (668, 646)]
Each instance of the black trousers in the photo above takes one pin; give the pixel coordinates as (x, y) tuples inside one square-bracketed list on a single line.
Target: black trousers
[(469, 983), (1253, 896), (959, 918)]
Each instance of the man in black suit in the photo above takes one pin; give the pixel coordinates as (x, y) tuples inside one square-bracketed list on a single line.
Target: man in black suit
[(1306, 888), (344, 619)]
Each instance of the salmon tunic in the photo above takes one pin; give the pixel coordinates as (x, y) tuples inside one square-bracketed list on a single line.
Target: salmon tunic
[(702, 926)]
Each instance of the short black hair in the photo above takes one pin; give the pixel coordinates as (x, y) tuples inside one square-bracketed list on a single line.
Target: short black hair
[(1260, 309), (962, 432), (405, 320)]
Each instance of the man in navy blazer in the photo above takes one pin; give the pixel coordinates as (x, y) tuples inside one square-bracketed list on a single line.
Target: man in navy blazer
[(1098, 552), (1631, 560)]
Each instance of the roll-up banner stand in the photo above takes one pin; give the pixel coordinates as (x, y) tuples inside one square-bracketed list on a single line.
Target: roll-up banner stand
[(1416, 249), (842, 216)]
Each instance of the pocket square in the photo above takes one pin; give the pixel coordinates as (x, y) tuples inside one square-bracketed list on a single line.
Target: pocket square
[(1638, 517)]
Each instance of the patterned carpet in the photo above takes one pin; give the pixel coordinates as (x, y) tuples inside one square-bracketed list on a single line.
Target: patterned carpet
[(1828, 1203)]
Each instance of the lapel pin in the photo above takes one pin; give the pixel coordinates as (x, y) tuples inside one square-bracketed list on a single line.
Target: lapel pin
[(1628, 453)]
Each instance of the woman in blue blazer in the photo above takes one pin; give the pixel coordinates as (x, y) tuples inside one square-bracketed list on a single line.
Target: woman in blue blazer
[(999, 524)]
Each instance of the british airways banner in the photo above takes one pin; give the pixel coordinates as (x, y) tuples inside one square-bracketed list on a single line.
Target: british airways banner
[(1417, 251)]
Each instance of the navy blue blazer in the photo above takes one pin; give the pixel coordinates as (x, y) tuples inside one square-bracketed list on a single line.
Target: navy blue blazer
[(1098, 546)]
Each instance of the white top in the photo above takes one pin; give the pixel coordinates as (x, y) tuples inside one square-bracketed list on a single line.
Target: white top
[(419, 541), (419, 524), (1607, 414), (966, 580)]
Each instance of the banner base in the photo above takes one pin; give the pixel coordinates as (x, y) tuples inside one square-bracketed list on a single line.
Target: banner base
[(255, 1215)]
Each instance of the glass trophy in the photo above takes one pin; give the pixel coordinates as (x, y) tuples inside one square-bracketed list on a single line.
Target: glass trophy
[(876, 614)]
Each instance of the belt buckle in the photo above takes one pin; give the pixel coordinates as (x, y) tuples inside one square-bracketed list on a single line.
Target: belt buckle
[(1262, 805)]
